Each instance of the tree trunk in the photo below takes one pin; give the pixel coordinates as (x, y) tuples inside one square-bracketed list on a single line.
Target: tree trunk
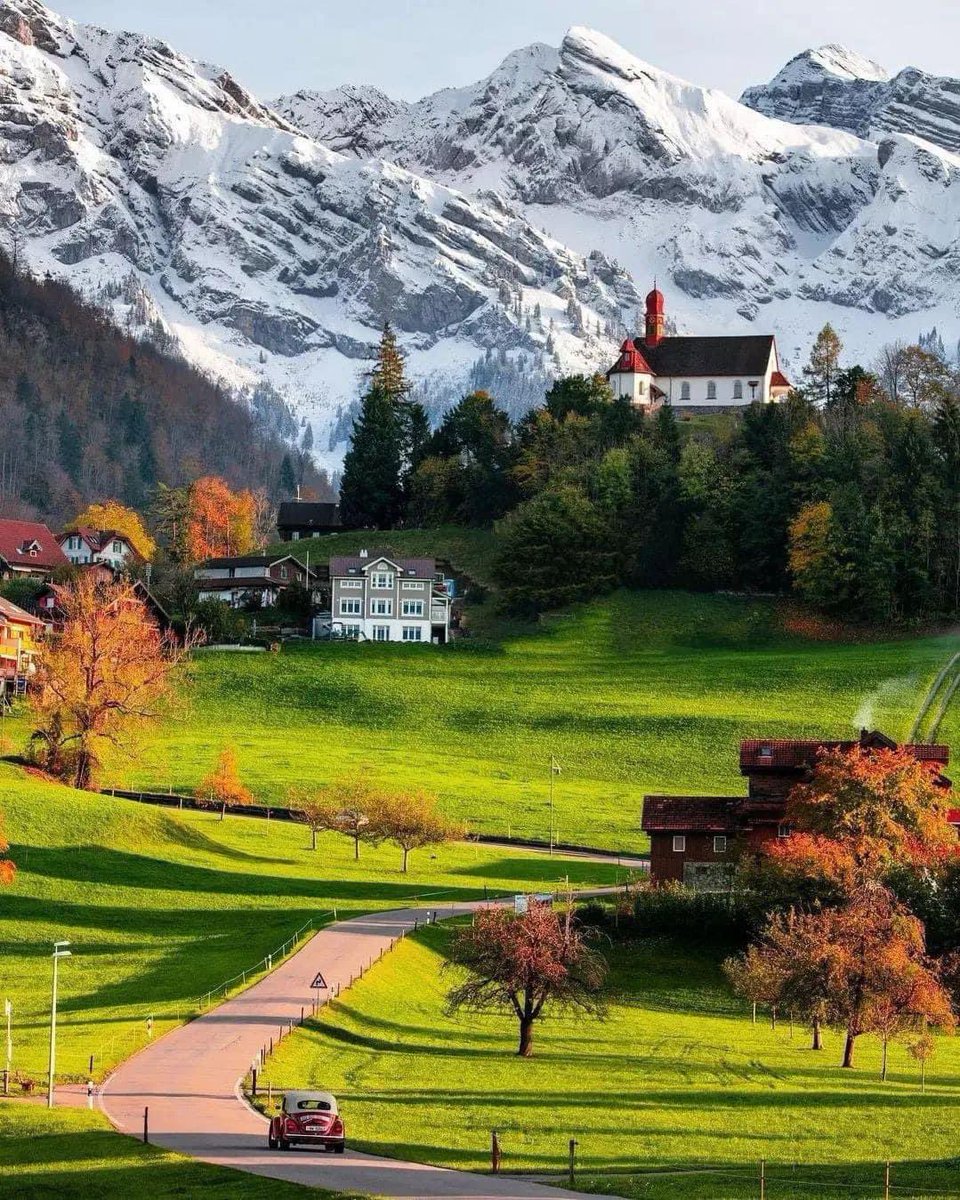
[(526, 1037), (923, 1076), (405, 853), (356, 846), (848, 1049), (883, 1063), (313, 838), (223, 810), (817, 1041)]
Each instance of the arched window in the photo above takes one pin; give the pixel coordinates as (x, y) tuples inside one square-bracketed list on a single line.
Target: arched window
[(738, 389), (684, 391), (711, 390)]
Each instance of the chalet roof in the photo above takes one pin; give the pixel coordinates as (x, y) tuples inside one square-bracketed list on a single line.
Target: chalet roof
[(709, 356), (12, 612), (791, 754), (236, 584), (691, 814), (345, 565), (17, 536), (96, 539), (308, 514), (249, 560)]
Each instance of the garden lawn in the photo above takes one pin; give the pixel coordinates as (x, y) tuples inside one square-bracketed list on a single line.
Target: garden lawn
[(676, 1096), (161, 906), (636, 692), (70, 1153)]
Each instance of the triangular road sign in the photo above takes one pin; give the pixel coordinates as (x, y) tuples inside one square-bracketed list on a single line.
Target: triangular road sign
[(319, 981)]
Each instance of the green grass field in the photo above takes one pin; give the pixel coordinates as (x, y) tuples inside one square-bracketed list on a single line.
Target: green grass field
[(634, 693), (675, 1082), (70, 1153), (162, 906)]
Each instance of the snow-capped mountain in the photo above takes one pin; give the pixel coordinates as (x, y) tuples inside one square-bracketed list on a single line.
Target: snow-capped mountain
[(832, 86), (509, 227)]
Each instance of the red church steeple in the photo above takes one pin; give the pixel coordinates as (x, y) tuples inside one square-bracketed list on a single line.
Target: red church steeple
[(655, 305)]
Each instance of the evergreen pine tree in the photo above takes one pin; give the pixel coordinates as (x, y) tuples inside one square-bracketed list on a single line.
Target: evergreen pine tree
[(389, 373), (288, 480), (821, 371), (371, 494)]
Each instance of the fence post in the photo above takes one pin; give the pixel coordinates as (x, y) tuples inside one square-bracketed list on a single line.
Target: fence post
[(573, 1160), (146, 1127), (494, 1152), (254, 1087), (763, 1179), (886, 1182)]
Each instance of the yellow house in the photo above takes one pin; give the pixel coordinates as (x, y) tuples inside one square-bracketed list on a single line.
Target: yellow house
[(20, 635)]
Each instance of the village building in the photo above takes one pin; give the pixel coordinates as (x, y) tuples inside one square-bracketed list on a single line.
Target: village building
[(379, 598), (251, 578), (47, 607), (29, 548), (702, 374), (20, 634), (83, 545), (695, 840), (297, 519)]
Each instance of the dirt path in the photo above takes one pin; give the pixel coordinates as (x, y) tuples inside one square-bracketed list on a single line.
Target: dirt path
[(189, 1079)]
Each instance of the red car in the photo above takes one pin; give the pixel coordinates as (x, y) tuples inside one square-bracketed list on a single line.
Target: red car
[(307, 1119)]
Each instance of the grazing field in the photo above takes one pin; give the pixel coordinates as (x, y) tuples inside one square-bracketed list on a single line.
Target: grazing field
[(636, 692), (675, 1096), (71, 1153), (162, 906)]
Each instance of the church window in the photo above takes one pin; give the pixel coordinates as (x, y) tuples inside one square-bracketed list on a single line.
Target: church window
[(684, 391), (738, 389), (711, 390)]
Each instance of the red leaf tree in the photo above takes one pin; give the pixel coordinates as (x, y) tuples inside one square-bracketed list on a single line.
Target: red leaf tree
[(522, 962)]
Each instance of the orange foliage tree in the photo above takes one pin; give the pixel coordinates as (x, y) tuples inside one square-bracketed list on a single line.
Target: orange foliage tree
[(109, 671), (7, 869), (863, 812), (112, 515), (218, 521), (411, 821), (223, 783)]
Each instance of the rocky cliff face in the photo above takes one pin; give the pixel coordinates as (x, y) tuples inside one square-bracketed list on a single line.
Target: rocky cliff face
[(832, 86), (522, 217)]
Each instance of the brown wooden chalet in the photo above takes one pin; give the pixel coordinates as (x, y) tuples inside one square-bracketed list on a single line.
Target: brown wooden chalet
[(694, 839)]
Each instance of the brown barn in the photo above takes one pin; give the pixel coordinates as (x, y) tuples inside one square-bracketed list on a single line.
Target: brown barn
[(693, 838)]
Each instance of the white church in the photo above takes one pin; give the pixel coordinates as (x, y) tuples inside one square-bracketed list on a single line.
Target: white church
[(704, 374)]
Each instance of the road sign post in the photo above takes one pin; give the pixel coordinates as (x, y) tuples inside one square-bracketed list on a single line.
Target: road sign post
[(318, 983)]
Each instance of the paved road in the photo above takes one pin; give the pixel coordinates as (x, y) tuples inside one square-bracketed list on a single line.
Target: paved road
[(190, 1080)]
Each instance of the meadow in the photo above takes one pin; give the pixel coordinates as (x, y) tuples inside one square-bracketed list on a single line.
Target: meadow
[(161, 906), (633, 693), (676, 1095)]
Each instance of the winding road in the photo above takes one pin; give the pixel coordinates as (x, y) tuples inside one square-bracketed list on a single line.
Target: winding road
[(190, 1080)]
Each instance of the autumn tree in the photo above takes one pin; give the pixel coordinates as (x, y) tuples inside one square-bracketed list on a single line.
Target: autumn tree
[(821, 370), (217, 522), (411, 821), (7, 869), (921, 1049), (223, 783), (116, 517), (521, 962), (110, 671), (358, 806), (812, 557), (318, 809)]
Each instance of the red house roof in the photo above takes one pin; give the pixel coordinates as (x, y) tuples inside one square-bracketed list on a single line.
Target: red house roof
[(690, 814), (779, 380), (18, 616), (18, 538), (789, 754)]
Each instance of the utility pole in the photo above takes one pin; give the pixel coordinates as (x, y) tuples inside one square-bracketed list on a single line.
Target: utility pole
[(8, 1013), (59, 951)]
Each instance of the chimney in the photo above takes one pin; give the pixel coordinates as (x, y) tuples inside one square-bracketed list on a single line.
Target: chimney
[(298, 491), (364, 553)]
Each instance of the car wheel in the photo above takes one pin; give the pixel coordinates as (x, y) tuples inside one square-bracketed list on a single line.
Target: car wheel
[(339, 1149), (284, 1144)]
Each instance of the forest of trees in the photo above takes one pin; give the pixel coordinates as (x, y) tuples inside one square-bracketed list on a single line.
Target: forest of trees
[(87, 412), (847, 493)]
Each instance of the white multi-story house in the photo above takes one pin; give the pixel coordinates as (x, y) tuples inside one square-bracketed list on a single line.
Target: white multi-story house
[(703, 374), (250, 577), (82, 545), (378, 598)]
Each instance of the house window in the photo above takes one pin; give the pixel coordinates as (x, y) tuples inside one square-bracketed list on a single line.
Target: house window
[(73, 543), (413, 587), (381, 633), (784, 830), (382, 608), (316, 533), (413, 608), (351, 631), (351, 583), (679, 843), (738, 389), (382, 579), (350, 608), (118, 547), (412, 633), (720, 844), (295, 536), (711, 390), (684, 391), (283, 572)]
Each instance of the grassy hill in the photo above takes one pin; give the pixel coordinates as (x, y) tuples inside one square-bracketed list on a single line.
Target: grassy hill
[(162, 906), (636, 692), (675, 1083)]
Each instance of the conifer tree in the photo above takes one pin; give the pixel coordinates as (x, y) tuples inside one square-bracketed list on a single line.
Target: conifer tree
[(821, 371), (371, 493)]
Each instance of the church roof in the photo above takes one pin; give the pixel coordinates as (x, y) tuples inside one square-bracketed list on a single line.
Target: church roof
[(709, 356)]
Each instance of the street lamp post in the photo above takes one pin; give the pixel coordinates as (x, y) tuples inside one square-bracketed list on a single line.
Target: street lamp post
[(59, 951), (554, 770)]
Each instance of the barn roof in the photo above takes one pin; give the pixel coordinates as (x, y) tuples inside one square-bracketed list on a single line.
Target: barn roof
[(308, 514), (788, 753), (690, 814)]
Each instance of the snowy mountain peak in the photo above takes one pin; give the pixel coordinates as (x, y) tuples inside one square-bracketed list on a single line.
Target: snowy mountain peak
[(834, 60)]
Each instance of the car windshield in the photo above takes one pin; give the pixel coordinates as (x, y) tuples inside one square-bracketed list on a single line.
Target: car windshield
[(314, 1105)]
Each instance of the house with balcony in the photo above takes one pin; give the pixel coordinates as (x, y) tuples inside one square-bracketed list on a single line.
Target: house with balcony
[(379, 597), (29, 548), (20, 635), (251, 578), (83, 545), (696, 840)]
